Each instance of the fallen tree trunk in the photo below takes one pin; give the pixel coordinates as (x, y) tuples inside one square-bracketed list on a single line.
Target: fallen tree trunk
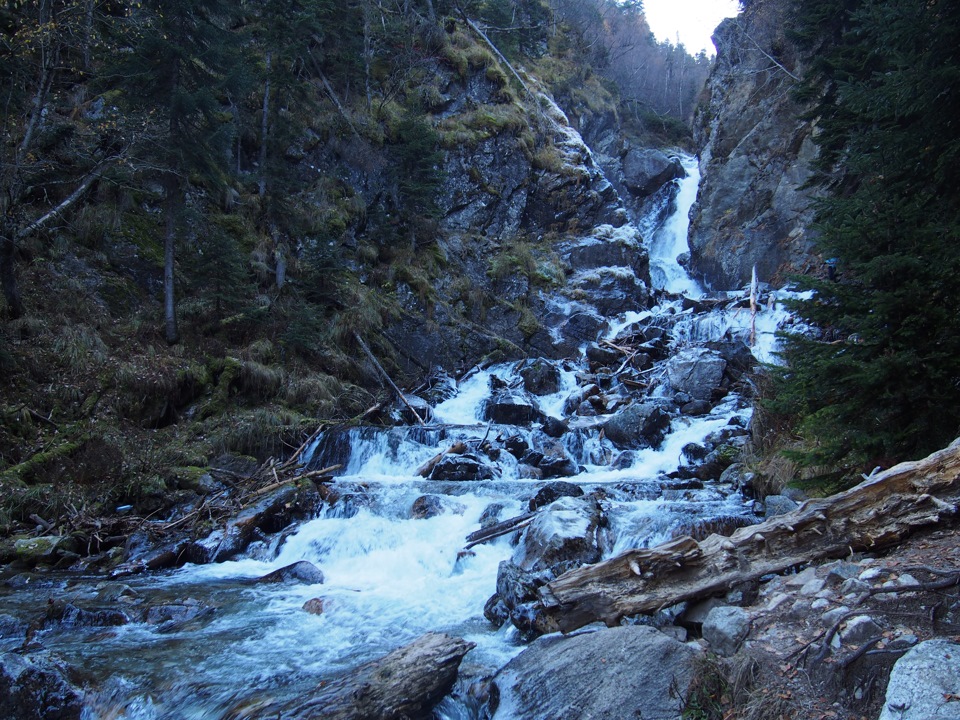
[(458, 448), (406, 683), (501, 528), (877, 513)]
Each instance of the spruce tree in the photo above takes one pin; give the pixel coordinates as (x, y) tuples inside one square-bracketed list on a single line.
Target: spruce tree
[(880, 383), (183, 65)]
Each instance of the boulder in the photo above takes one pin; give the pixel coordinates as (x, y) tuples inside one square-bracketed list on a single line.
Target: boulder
[(314, 606), (638, 426), (406, 683), (301, 571), (553, 491), (31, 689), (427, 506), (924, 683), (466, 467), (565, 534), (778, 505), (508, 407), (541, 377), (46, 549), (622, 672), (725, 628), (646, 170), (696, 371)]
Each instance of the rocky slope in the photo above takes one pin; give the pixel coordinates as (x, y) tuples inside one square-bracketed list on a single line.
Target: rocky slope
[(756, 152)]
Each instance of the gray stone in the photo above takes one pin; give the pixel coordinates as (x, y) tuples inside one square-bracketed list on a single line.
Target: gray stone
[(813, 586), (461, 468), (778, 505), (852, 586), (840, 571), (922, 682), (725, 628), (638, 426), (566, 533), (541, 377), (634, 671), (696, 371), (831, 616), (696, 613), (646, 170), (301, 571), (859, 629)]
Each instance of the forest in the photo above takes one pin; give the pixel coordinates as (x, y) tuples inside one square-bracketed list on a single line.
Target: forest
[(167, 239)]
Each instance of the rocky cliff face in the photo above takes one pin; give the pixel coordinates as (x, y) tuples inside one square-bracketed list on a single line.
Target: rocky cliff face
[(755, 156), (535, 244)]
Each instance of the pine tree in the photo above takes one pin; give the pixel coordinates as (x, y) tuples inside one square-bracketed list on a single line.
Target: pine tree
[(183, 65), (881, 383)]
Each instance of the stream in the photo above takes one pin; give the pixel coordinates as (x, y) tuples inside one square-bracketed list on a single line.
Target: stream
[(390, 577)]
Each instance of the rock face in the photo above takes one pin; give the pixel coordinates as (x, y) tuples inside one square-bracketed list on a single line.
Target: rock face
[(755, 156), (924, 683), (623, 672)]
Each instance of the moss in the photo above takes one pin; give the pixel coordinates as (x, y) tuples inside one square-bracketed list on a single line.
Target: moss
[(28, 470)]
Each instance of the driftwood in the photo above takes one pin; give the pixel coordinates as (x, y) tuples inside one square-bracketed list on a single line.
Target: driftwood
[(379, 367), (458, 448), (406, 683), (501, 528), (877, 513)]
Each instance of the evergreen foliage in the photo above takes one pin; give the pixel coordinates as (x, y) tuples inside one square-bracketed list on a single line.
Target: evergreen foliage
[(880, 383)]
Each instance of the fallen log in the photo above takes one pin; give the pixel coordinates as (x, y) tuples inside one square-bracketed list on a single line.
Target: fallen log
[(458, 448), (878, 513), (501, 528), (406, 683)]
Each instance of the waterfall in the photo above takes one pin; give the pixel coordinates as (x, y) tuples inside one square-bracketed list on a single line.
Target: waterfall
[(669, 241)]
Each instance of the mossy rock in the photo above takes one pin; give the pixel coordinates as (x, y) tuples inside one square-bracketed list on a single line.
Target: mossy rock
[(45, 549)]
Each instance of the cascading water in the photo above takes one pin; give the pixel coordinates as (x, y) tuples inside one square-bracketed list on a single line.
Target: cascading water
[(390, 577)]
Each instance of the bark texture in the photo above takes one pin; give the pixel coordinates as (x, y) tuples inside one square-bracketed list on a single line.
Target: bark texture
[(877, 513)]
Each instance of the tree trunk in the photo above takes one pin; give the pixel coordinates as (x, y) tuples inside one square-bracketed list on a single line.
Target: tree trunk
[(877, 513), (173, 205), (8, 276), (264, 126)]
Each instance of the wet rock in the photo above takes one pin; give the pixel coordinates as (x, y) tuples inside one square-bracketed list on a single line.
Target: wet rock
[(567, 533), (314, 606), (587, 676), (646, 170), (553, 491), (516, 446), (509, 407), (694, 452), (554, 427), (696, 408), (725, 628), (924, 682), (32, 689), (301, 571), (69, 615), (177, 612), (638, 426), (491, 515), (406, 683), (12, 633), (601, 356), (516, 598), (427, 506), (696, 371), (418, 405), (466, 467), (541, 377), (624, 460)]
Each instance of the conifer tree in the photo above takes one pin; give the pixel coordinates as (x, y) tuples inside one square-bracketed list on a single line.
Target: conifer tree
[(881, 382), (184, 63)]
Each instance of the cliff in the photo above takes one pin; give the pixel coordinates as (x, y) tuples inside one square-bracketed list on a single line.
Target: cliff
[(756, 153)]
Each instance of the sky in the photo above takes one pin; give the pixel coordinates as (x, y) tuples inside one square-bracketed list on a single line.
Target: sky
[(694, 20)]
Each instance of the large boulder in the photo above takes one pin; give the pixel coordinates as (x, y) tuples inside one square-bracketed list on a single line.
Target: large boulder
[(638, 426), (623, 672), (565, 534), (725, 628), (645, 170), (924, 683), (508, 407), (33, 690), (696, 371), (541, 377), (302, 571), (464, 467)]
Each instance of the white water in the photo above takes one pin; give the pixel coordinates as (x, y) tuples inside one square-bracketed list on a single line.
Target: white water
[(389, 577), (670, 239)]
